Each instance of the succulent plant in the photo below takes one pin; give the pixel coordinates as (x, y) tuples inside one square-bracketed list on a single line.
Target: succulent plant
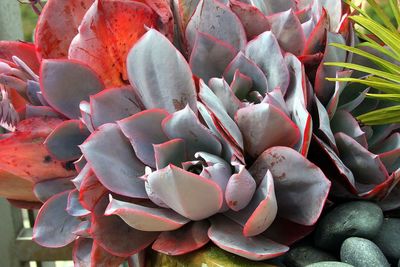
[(187, 122)]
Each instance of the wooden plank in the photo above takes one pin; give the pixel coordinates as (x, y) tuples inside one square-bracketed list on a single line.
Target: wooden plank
[(10, 225), (27, 250)]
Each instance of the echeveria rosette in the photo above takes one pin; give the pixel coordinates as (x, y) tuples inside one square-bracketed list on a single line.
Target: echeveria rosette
[(154, 126), (361, 161)]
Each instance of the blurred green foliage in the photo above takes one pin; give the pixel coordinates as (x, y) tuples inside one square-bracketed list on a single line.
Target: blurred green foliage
[(29, 19)]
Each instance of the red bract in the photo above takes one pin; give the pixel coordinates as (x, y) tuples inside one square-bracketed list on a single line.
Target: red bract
[(57, 26), (106, 34), (24, 160)]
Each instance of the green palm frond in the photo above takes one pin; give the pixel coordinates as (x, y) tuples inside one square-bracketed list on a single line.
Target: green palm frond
[(385, 78)]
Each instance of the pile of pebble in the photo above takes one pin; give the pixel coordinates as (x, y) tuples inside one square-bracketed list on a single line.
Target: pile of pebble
[(352, 234)]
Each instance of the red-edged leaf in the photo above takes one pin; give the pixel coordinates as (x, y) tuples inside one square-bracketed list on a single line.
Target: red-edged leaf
[(82, 251), (228, 236), (258, 124), (210, 56), (114, 104), (160, 74), (143, 131), (54, 226), (65, 83), (48, 188), (184, 240), (57, 26), (293, 176), (184, 124), (216, 19), (101, 258), (24, 51), (108, 31), (240, 189), (115, 236), (63, 142), (287, 232), (146, 218), (253, 20), (183, 191), (261, 211), (91, 191), (109, 147), (25, 159)]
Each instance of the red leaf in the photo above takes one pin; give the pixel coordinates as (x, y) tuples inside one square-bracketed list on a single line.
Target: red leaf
[(25, 51), (104, 46), (25, 160), (57, 26)]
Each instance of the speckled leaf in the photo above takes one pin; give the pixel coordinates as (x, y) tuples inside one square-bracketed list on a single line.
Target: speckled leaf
[(253, 20), (216, 19), (146, 218), (52, 36), (261, 211), (184, 240), (228, 236), (258, 124), (240, 189), (24, 159), (272, 65), (65, 83), (113, 104), (157, 85), (185, 125), (108, 147), (105, 46), (183, 191), (54, 226), (293, 175)]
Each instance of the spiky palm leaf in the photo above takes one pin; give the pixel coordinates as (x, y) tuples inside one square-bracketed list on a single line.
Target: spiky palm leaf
[(385, 78)]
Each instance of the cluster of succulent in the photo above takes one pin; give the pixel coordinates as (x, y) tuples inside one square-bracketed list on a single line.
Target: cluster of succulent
[(172, 123)]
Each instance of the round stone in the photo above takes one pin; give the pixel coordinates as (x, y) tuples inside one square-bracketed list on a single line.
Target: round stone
[(361, 252), (330, 264), (357, 218), (388, 238), (302, 256)]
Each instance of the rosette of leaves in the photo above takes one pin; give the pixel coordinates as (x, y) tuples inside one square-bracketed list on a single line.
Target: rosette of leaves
[(379, 48), (357, 140), (179, 138)]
